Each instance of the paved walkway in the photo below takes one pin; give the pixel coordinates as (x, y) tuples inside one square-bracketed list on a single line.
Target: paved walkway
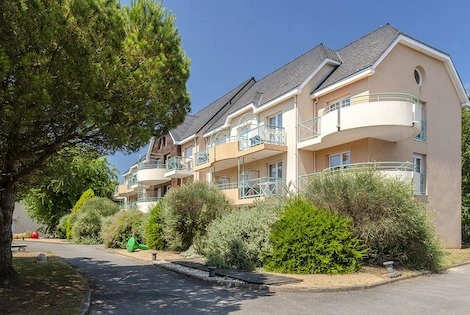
[(121, 285)]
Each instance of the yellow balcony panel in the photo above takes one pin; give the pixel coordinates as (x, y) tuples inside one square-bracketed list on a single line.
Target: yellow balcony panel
[(124, 190), (262, 150)]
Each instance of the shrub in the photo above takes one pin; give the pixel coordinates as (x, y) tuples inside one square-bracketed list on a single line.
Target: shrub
[(86, 228), (124, 225), (385, 214), (465, 226), (307, 240), (188, 210), (86, 195), (154, 230), (238, 239), (64, 229)]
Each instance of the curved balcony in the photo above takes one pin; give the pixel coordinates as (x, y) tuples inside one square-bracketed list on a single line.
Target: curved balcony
[(151, 173), (387, 116)]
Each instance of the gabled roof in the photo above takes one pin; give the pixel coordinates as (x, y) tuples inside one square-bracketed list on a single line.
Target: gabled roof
[(178, 133), (282, 80), (362, 53), (204, 116)]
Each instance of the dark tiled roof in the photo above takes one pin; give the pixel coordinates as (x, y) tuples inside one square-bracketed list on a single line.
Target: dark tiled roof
[(179, 132), (281, 81), (362, 53), (204, 116)]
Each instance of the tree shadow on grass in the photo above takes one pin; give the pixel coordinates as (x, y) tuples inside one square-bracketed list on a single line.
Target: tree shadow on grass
[(146, 289)]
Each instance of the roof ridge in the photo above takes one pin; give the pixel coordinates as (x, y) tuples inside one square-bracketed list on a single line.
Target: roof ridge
[(225, 94), (284, 65), (363, 36)]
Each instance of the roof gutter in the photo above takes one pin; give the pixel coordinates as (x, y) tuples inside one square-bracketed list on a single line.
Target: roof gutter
[(359, 76)]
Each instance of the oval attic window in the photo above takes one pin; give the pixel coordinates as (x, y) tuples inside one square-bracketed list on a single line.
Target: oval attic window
[(418, 77)]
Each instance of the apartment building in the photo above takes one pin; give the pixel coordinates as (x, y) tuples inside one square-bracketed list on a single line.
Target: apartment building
[(386, 100)]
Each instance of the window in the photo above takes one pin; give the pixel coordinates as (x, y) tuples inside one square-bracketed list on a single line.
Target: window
[(418, 77), (275, 170), (419, 181), (275, 120), (338, 103), (341, 160), (223, 182), (422, 119)]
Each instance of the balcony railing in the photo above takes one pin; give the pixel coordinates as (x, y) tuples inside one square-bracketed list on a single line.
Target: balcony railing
[(379, 166), (179, 163), (151, 165), (148, 199), (202, 157), (263, 134), (132, 181), (309, 129), (261, 187), (422, 134), (224, 186)]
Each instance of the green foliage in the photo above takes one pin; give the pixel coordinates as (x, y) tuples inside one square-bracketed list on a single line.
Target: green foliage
[(466, 177), (87, 194), (188, 210), (237, 240), (124, 225), (154, 229), (86, 228), (307, 240), (64, 228), (66, 177), (385, 214)]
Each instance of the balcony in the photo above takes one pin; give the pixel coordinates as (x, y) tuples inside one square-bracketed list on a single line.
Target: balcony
[(151, 173), (257, 143), (387, 116), (145, 204), (245, 191), (402, 170), (179, 167)]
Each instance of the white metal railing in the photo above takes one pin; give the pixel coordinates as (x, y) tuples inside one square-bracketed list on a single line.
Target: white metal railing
[(311, 128), (150, 165), (201, 157), (132, 180), (379, 166), (179, 163), (148, 199), (260, 187), (262, 134), (422, 134), (225, 186)]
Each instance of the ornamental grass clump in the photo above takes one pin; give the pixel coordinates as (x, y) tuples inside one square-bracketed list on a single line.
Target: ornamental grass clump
[(237, 240), (188, 210), (385, 213), (307, 240)]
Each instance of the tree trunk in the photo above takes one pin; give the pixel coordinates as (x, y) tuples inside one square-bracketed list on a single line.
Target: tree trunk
[(7, 205)]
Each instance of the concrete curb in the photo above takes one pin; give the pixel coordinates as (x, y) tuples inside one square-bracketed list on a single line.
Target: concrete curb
[(87, 299), (274, 288)]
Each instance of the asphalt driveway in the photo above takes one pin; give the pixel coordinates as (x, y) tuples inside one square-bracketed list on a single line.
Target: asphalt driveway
[(121, 285)]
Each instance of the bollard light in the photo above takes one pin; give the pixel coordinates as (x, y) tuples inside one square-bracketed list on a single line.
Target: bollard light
[(154, 257), (212, 270)]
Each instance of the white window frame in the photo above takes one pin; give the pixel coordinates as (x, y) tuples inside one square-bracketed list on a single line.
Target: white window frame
[(277, 120), (341, 155), (277, 165)]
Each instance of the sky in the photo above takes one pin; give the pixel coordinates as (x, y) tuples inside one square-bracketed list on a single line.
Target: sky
[(229, 41)]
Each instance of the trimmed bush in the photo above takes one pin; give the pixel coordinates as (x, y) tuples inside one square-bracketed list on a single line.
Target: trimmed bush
[(154, 229), (188, 210), (64, 229), (86, 195), (237, 240), (385, 214), (308, 240), (124, 225), (87, 225)]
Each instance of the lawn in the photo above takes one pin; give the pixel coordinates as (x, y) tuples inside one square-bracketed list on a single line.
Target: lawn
[(52, 287)]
